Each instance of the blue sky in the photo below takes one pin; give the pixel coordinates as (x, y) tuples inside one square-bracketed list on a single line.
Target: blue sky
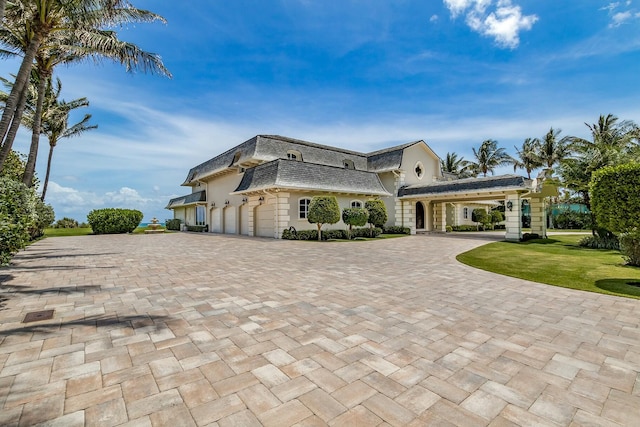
[(359, 74)]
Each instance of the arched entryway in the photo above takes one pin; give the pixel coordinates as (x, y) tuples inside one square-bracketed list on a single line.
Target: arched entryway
[(419, 216)]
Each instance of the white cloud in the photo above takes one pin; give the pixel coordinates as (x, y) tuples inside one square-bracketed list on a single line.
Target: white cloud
[(501, 19), (434, 18), (618, 16)]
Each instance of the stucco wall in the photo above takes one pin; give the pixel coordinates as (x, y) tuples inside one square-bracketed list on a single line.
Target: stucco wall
[(419, 153)]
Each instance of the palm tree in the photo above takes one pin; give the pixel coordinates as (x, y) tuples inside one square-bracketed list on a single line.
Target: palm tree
[(528, 158), (78, 36), (488, 157), (612, 143), (551, 150), (455, 165), (55, 122)]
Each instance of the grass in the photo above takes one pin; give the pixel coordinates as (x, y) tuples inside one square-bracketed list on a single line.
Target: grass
[(63, 232), (559, 261)]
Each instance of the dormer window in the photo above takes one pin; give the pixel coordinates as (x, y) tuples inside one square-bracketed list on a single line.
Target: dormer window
[(348, 164), (419, 170), (294, 155), (236, 157)]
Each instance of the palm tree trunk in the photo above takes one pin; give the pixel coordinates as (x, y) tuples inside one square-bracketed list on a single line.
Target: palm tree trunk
[(13, 130), (21, 82), (3, 3), (30, 168), (46, 177)]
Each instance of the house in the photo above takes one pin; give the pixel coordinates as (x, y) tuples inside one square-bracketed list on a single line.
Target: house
[(264, 186)]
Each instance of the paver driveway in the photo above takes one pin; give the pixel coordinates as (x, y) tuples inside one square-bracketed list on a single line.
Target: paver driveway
[(192, 329)]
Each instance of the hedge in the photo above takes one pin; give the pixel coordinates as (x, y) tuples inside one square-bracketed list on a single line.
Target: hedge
[(18, 215), (396, 229), (114, 220), (173, 224), (291, 234), (615, 197)]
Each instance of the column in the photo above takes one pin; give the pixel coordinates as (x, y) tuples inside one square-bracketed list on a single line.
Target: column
[(513, 218), (538, 217), (283, 216)]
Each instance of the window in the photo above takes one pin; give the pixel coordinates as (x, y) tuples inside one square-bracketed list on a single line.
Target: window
[(348, 164), (303, 210), (294, 155), (200, 211), (465, 213), (356, 204), (419, 170)]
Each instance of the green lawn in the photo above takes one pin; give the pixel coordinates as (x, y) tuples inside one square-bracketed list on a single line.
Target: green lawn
[(60, 232), (559, 261)]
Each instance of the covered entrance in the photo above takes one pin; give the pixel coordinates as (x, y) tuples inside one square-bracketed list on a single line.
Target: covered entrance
[(420, 216)]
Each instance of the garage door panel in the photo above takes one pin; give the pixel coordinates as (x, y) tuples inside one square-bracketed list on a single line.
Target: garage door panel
[(264, 221), (230, 220)]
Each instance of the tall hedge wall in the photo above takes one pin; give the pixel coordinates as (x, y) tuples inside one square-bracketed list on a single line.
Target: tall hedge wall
[(615, 197)]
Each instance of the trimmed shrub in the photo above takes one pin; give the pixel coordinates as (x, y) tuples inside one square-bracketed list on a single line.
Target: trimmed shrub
[(18, 215), (366, 232), (66, 223), (601, 242), (396, 229), (464, 227), (328, 234), (529, 236), (480, 216), (173, 224), (355, 216), (197, 228), (323, 210), (630, 246), (114, 220), (495, 217), (377, 214), (44, 218), (448, 228)]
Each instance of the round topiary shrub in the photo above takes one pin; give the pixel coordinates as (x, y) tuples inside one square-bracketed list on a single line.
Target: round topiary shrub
[(114, 221)]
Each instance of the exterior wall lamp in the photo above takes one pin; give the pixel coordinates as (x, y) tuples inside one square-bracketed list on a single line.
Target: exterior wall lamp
[(245, 200), (510, 205), (261, 199), (226, 202)]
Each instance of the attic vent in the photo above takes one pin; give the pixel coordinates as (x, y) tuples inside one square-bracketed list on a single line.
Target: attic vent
[(348, 164), (294, 155)]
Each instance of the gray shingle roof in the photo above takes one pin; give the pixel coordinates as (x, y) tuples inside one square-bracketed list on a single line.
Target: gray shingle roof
[(189, 199), (466, 185), (387, 159), (292, 174), (265, 148)]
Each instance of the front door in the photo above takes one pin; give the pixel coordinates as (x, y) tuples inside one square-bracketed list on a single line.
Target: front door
[(419, 216)]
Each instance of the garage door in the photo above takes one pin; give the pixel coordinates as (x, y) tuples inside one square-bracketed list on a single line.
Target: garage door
[(216, 225), (230, 220), (264, 220)]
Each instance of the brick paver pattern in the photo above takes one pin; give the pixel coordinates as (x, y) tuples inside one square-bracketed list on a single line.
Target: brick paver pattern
[(192, 329)]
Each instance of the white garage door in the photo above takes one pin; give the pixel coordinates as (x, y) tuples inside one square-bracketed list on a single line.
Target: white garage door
[(216, 224), (230, 220), (264, 220)]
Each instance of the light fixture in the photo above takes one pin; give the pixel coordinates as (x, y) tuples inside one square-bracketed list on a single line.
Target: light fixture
[(261, 199), (245, 200), (226, 202), (510, 205)]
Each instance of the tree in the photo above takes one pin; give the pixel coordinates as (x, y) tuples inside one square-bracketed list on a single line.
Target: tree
[(480, 216), (377, 213), (488, 157), (64, 32), (612, 143), (55, 122), (455, 165), (355, 216), (495, 217), (528, 158), (551, 149), (323, 210)]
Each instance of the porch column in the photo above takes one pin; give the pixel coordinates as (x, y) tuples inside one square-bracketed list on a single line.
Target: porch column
[(408, 215), (513, 217), (443, 217), (251, 206), (538, 217)]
